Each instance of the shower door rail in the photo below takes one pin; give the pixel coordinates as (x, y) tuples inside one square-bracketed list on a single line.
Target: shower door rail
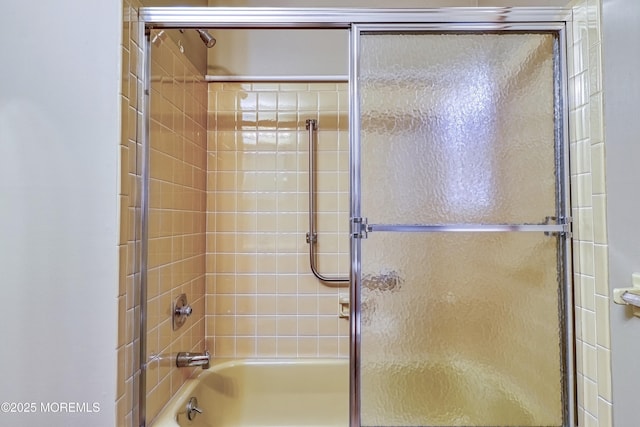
[(562, 228)]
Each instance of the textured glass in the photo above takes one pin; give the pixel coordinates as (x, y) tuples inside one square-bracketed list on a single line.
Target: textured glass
[(458, 128), (460, 329)]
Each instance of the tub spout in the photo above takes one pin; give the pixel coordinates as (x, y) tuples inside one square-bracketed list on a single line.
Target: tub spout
[(186, 359)]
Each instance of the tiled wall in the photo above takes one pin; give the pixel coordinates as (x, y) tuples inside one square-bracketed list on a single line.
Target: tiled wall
[(177, 203), (176, 218), (262, 299), (128, 346), (589, 213)]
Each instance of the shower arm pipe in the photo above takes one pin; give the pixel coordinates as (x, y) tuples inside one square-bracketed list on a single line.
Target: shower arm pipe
[(312, 235)]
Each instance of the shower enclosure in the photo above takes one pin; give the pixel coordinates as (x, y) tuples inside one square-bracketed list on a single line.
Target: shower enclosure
[(460, 279)]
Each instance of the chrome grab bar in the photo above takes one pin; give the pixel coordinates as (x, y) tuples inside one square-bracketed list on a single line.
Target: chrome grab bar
[(312, 235)]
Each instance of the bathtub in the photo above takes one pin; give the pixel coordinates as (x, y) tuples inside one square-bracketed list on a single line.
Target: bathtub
[(269, 392), (315, 392)]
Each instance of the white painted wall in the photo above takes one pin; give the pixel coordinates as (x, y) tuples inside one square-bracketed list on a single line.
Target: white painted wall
[(59, 133), (621, 58)]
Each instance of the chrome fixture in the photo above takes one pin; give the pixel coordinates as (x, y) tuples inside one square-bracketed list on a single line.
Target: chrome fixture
[(181, 310), (159, 36), (185, 359), (629, 296), (207, 38), (192, 409), (312, 235)]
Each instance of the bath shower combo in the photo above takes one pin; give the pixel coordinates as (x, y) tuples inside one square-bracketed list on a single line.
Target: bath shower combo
[(458, 142)]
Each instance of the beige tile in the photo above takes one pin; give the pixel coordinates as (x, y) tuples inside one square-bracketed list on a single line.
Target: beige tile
[(266, 346), (287, 305), (226, 101), (328, 140), (605, 413), (246, 284), (246, 326), (585, 190), (328, 325), (598, 167), (587, 285), (591, 397), (601, 269), (307, 101), (307, 305), (600, 219), (590, 362), (308, 326), (288, 204), (328, 100), (287, 347), (604, 374), (225, 304), (287, 101), (589, 327), (586, 263), (286, 325), (307, 347), (294, 87), (247, 101), (267, 101), (266, 263), (266, 304), (343, 346), (328, 346), (266, 326), (246, 304), (246, 347), (225, 346), (226, 161)]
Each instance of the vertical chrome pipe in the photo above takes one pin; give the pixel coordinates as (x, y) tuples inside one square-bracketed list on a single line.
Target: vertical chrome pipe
[(312, 235)]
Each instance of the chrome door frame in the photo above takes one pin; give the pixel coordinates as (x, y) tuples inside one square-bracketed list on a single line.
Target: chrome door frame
[(360, 227), (355, 19)]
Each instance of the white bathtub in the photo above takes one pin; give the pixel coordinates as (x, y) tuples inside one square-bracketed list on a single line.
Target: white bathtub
[(270, 392)]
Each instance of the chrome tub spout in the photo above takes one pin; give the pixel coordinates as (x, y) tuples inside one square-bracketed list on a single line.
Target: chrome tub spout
[(186, 359)]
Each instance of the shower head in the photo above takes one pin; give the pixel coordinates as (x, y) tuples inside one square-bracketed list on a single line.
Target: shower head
[(207, 38)]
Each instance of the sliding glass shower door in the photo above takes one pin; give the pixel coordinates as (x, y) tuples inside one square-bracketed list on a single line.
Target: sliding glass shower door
[(460, 229)]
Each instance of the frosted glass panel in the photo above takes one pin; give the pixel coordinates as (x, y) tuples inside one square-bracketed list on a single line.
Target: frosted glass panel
[(460, 329), (458, 128)]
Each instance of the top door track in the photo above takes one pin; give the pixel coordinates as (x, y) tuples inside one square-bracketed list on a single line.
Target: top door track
[(491, 18)]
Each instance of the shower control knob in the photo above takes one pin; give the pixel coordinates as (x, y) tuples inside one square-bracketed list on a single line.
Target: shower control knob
[(181, 310), (184, 310)]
